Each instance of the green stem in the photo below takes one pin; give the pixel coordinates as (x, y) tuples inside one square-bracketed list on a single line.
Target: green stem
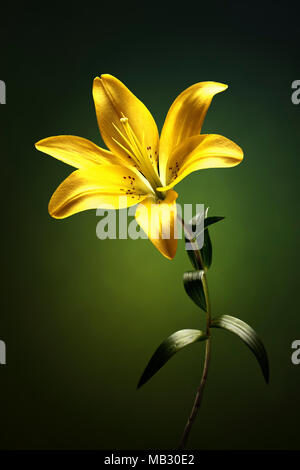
[(200, 389)]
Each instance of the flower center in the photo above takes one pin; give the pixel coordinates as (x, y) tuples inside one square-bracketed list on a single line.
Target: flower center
[(139, 153)]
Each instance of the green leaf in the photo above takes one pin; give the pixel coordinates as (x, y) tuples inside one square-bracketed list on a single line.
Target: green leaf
[(168, 348), (207, 222), (192, 254), (192, 281), (212, 220), (248, 336), (206, 250), (196, 221)]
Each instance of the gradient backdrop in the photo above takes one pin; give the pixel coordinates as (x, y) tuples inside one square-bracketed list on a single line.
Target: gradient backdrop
[(80, 316)]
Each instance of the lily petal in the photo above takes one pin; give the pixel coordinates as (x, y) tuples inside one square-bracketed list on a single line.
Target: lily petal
[(75, 151), (158, 220), (185, 119), (107, 187), (201, 152), (113, 101)]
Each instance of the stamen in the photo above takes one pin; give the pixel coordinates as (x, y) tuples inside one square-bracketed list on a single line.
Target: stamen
[(135, 145), (139, 152), (125, 149), (128, 151)]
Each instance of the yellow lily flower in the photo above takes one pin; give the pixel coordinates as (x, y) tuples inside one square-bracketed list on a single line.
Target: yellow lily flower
[(139, 164)]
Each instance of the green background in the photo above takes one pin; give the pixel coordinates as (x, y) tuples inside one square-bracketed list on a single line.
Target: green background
[(80, 316)]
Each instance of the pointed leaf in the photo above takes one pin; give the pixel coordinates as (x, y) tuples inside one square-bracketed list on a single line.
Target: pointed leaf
[(212, 220), (192, 254), (197, 221), (207, 221), (206, 250), (168, 348), (248, 336), (200, 238), (194, 240), (192, 281)]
